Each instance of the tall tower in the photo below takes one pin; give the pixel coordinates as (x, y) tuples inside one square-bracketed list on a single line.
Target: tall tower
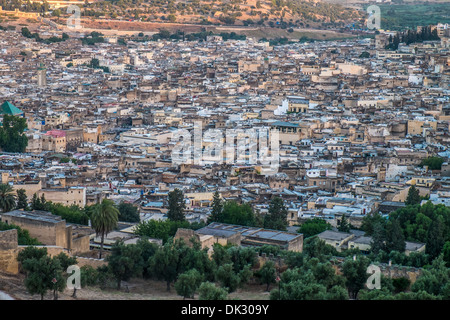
[(42, 76)]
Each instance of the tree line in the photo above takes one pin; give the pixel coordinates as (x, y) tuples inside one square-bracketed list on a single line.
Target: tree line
[(412, 36), (12, 137), (27, 34)]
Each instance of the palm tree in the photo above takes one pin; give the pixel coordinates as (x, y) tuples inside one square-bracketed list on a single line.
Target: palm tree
[(104, 219), (7, 198)]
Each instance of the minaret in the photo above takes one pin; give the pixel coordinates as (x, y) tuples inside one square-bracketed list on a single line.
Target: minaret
[(42, 76)]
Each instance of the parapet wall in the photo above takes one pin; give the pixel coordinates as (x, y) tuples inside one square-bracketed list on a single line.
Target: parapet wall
[(8, 239)]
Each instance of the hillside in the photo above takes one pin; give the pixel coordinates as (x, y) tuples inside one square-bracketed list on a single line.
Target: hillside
[(289, 13), (264, 13)]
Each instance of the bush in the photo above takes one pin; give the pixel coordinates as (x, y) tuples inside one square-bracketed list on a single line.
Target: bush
[(209, 291)]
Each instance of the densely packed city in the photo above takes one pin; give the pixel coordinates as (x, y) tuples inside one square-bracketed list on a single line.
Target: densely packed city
[(359, 129)]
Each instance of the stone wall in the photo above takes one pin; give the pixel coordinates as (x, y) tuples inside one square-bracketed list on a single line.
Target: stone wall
[(51, 250), (80, 244), (17, 13), (49, 233), (8, 251), (389, 271)]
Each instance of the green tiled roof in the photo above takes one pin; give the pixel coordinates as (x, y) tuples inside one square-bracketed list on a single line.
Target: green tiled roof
[(8, 108)]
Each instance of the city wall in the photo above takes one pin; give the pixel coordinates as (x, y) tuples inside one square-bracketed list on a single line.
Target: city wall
[(20, 14), (8, 251)]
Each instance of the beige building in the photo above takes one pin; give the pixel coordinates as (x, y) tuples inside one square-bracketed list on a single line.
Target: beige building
[(254, 237), (66, 196), (418, 127), (297, 104), (339, 240), (49, 229), (54, 140), (288, 133)]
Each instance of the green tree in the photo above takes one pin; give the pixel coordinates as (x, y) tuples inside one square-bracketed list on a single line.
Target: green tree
[(434, 280), (188, 283), (12, 137), (44, 274), (364, 55), (401, 284), (39, 203), (369, 222), (316, 247), (313, 281), (148, 249), (217, 206), (242, 257), (267, 274), (395, 239), (435, 238), (163, 229), (176, 205), (220, 254), (413, 196), (7, 197), (128, 212), (227, 278), (235, 213), (22, 200), (378, 242), (166, 264), (344, 225), (66, 260), (355, 272), (314, 226), (125, 261), (72, 213), (209, 291), (433, 163), (446, 253), (277, 215), (172, 18), (104, 219), (198, 259), (31, 252)]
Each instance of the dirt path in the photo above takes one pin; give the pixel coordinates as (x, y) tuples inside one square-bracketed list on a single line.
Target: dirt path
[(12, 288)]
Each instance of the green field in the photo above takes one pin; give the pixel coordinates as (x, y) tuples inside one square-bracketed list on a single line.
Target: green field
[(411, 15)]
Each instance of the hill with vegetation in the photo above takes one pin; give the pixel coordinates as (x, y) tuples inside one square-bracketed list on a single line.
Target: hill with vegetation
[(282, 13)]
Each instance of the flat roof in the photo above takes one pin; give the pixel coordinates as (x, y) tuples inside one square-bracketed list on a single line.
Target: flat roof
[(412, 246), (362, 240), (34, 215), (334, 235), (227, 230)]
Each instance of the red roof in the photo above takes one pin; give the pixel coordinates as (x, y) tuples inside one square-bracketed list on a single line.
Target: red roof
[(56, 133)]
